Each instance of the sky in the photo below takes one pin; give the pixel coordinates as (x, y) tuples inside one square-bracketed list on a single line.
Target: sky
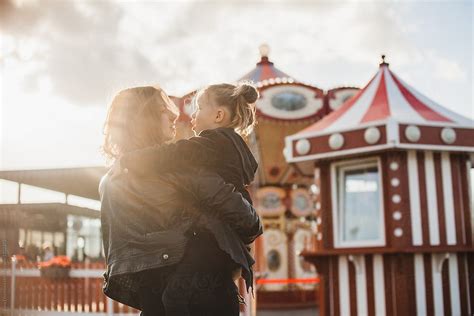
[(62, 61)]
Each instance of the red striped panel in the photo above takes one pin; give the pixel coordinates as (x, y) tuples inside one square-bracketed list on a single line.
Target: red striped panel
[(326, 204), (390, 295), (331, 118), (463, 282), (335, 285), (446, 288), (460, 224), (440, 199), (379, 108), (426, 112), (428, 284), (352, 288), (266, 73), (369, 275), (470, 271), (402, 283), (420, 159)]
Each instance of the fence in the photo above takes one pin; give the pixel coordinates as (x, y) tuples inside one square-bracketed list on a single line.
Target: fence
[(25, 292)]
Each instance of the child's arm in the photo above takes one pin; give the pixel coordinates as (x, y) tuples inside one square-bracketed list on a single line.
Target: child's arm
[(219, 198), (199, 151)]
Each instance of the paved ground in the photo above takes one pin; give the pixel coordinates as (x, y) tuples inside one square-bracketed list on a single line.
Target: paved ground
[(289, 312)]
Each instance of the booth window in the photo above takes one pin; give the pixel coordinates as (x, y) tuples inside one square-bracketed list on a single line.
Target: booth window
[(358, 204)]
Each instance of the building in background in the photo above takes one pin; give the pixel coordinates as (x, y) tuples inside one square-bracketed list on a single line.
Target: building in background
[(66, 228)]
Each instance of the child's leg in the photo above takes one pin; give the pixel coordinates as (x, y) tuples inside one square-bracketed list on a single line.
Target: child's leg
[(180, 286), (151, 304), (219, 298), (177, 293), (150, 292), (202, 283)]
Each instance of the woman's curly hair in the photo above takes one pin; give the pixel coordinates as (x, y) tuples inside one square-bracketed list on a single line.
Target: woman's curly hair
[(133, 120)]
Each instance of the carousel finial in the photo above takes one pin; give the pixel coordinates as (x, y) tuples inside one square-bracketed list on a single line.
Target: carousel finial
[(264, 50), (383, 63)]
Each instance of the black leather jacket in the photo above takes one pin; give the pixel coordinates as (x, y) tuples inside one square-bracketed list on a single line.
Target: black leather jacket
[(220, 150), (144, 222)]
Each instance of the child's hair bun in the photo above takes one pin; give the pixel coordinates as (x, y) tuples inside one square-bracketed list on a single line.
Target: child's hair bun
[(248, 91)]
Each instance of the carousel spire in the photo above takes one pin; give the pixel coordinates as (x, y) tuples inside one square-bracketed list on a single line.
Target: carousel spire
[(265, 73), (264, 51), (383, 63)]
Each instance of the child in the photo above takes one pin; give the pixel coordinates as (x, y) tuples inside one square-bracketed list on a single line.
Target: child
[(223, 112)]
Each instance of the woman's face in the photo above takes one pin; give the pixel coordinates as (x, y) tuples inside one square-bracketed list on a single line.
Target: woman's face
[(168, 124)]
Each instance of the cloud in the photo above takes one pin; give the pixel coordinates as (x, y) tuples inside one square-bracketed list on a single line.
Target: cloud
[(90, 49), (78, 49), (445, 68)]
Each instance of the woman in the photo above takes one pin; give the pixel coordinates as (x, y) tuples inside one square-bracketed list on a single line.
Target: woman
[(147, 222), (223, 113)]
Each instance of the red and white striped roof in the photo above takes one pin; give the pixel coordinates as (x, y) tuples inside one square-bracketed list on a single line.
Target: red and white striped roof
[(265, 73), (386, 96)]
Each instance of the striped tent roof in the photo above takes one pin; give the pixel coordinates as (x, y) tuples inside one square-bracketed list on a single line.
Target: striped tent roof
[(265, 70), (387, 96)]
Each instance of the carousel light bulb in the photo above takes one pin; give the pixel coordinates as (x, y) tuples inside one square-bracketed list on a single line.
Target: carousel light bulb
[(336, 141), (448, 135), (303, 146), (372, 135), (412, 133)]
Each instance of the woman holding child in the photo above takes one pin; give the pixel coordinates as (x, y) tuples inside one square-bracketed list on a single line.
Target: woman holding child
[(177, 218)]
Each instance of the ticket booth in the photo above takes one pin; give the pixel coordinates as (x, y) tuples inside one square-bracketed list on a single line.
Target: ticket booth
[(394, 231)]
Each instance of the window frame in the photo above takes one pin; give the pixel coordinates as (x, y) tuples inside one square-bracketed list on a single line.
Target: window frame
[(337, 171)]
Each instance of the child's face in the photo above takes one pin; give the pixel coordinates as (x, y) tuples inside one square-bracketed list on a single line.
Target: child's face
[(204, 116)]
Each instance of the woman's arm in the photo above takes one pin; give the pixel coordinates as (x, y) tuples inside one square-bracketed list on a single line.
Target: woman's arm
[(221, 200)]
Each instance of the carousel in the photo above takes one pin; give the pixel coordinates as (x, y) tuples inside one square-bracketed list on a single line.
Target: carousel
[(282, 192), (394, 232)]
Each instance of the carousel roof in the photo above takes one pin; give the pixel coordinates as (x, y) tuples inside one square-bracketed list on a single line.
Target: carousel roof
[(387, 96), (387, 113), (265, 72)]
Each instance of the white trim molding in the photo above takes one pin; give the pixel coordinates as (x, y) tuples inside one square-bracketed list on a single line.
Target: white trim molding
[(448, 198), (420, 290), (379, 285), (431, 193), (415, 207), (344, 296)]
